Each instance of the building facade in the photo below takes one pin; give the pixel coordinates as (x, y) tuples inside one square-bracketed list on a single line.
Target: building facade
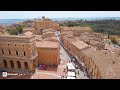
[(45, 23), (75, 31), (48, 53), (2, 29), (29, 29), (18, 53), (97, 63)]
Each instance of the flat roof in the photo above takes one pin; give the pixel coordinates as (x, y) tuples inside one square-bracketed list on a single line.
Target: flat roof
[(47, 44)]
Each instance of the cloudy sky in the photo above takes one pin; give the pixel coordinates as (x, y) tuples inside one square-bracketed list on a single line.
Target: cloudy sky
[(56, 14)]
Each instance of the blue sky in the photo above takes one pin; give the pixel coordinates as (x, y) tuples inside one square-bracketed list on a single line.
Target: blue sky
[(56, 14)]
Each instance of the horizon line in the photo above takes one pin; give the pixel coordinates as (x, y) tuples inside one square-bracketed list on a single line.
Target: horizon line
[(66, 17)]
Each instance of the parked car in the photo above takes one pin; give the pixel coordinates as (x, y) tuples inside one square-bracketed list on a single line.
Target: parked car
[(2, 71), (42, 66)]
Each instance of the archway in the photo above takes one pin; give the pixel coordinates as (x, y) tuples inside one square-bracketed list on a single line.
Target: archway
[(11, 64), (26, 65), (18, 64), (5, 63)]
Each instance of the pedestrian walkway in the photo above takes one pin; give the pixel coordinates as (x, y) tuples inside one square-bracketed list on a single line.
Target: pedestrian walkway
[(51, 72)]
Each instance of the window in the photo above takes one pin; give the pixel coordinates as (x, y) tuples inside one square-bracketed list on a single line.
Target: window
[(2, 51), (24, 53), (16, 52), (9, 51), (33, 52)]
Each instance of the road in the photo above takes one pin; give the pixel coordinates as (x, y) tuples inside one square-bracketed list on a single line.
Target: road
[(67, 56), (63, 54)]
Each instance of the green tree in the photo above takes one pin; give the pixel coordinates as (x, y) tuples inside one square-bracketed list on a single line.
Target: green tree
[(20, 30), (13, 32)]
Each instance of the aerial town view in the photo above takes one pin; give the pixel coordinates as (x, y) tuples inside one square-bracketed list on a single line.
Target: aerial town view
[(59, 44)]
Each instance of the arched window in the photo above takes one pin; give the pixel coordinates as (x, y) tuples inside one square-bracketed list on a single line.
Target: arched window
[(18, 64), (16, 52), (24, 53), (5, 63), (11, 64), (9, 51), (26, 65)]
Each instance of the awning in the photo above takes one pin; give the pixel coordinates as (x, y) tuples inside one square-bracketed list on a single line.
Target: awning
[(70, 66), (71, 74), (70, 77)]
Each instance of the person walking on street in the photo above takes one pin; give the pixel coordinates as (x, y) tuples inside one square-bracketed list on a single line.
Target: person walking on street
[(78, 72)]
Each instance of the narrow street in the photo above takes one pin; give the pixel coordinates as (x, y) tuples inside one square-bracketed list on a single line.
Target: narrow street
[(66, 56), (63, 54)]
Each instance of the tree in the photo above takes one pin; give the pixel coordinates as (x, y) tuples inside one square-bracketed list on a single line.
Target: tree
[(20, 30), (13, 32)]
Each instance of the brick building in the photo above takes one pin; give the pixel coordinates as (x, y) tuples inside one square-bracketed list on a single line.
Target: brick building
[(75, 31), (29, 29), (2, 29), (98, 64), (18, 52), (45, 23)]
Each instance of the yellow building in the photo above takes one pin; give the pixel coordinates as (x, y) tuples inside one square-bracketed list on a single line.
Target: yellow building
[(48, 53)]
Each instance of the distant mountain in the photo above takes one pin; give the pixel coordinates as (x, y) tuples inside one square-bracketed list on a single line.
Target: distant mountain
[(84, 18), (12, 21)]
